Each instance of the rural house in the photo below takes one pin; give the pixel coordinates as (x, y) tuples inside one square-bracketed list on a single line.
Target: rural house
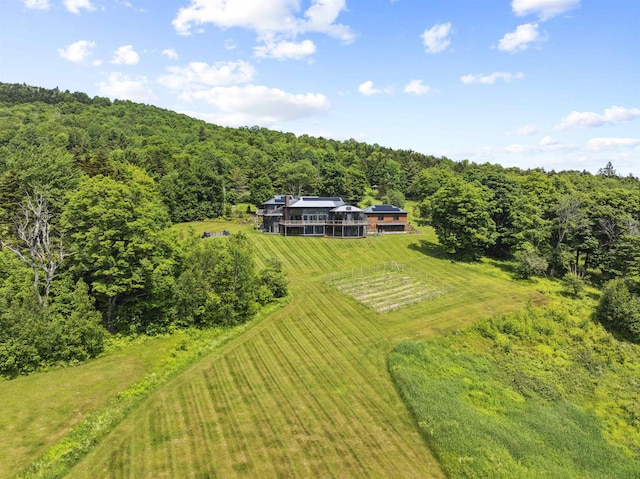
[(386, 219), (312, 216), (271, 213)]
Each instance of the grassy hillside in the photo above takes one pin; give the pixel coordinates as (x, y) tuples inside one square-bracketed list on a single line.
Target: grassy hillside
[(538, 393), (305, 392), (40, 409)]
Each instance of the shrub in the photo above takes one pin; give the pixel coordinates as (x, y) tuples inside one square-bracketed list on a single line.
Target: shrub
[(529, 263), (573, 284), (619, 309), (273, 280), (67, 331)]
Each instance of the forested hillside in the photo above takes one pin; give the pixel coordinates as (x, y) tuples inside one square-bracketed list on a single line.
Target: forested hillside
[(90, 187), (198, 167)]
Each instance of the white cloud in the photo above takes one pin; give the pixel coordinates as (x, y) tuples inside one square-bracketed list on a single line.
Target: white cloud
[(74, 6), (548, 141), (599, 144), (125, 55), (546, 9), (37, 4), (128, 4), (170, 53), (198, 75), (284, 50), (125, 88), (261, 105), (255, 15), (229, 44), (520, 39), (435, 39), (322, 14), (491, 79), (77, 51), (417, 88), (526, 130), (267, 19), (367, 89), (586, 119)]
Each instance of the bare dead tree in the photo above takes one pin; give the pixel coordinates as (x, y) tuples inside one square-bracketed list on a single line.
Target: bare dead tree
[(610, 228), (36, 246)]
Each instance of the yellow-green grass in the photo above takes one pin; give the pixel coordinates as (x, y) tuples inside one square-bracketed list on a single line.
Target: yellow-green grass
[(40, 409), (215, 226), (305, 392), (542, 392)]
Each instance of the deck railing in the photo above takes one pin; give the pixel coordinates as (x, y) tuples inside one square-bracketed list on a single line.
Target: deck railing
[(316, 222)]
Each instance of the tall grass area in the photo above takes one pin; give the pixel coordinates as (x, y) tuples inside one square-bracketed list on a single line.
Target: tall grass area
[(305, 392), (539, 393)]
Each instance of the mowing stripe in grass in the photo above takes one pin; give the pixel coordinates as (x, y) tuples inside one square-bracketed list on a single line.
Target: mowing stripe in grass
[(343, 367), (305, 392)]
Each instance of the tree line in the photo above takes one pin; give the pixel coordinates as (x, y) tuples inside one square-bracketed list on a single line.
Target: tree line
[(571, 225), (89, 188), (108, 262), (200, 169)]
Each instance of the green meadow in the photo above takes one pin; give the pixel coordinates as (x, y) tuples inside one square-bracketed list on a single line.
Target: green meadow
[(304, 391), (540, 393)]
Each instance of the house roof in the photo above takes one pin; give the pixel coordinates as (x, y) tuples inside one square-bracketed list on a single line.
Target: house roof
[(377, 209), (316, 202), (346, 209), (277, 200)]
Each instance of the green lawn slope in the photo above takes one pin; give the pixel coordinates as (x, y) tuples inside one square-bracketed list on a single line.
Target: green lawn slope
[(305, 392), (40, 409)]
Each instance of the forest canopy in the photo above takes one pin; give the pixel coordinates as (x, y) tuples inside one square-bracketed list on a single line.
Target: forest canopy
[(112, 176)]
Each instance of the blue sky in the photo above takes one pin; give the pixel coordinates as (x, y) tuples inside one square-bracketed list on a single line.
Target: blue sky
[(528, 83)]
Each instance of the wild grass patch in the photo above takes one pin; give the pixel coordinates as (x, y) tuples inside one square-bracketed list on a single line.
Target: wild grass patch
[(522, 395)]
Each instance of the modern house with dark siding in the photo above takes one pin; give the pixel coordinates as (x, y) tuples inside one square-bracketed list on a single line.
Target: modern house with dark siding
[(271, 213), (313, 216), (328, 216)]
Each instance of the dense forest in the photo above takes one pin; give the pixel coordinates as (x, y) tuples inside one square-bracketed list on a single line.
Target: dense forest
[(89, 188)]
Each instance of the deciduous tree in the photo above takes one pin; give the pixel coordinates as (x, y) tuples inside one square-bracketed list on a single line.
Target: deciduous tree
[(460, 214), (114, 230), (260, 190), (298, 178)]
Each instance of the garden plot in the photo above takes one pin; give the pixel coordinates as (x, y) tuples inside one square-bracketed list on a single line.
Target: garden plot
[(387, 287)]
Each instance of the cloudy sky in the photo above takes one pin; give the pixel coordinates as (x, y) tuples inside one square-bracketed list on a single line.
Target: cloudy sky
[(529, 83)]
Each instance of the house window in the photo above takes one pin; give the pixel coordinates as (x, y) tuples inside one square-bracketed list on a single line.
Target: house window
[(396, 217), (380, 217)]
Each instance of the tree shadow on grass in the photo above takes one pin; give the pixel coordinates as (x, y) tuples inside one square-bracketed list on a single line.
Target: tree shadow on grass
[(618, 335), (430, 249), (507, 268), (435, 250)]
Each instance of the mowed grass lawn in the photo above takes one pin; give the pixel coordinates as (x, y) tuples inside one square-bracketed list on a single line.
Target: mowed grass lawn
[(38, 410), (305, 392)]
